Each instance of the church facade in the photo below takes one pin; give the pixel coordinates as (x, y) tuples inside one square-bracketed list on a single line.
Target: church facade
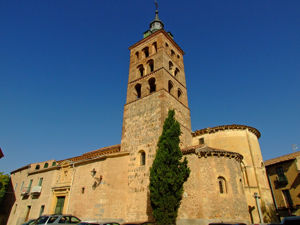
[(228, 181)]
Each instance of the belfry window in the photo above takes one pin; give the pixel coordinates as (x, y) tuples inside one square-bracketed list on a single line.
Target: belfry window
[(154, 47), (141, 70), (137, 55), (138, 88), (170, 66), (179, 93), (152, 84), (170, 86), (172, 53), (146, 51), (142, 158), (222, 185), (176, 72), (151, 65)]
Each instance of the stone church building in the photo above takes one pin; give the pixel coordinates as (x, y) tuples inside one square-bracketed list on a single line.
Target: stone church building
[(227, 183)]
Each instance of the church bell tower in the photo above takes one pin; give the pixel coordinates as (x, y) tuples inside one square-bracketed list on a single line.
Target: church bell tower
[(156, 83)]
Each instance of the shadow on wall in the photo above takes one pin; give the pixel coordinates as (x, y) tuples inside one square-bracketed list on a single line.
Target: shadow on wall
[(149, 208), (296, 182), (7, 204), (250, 210), (269, 213)]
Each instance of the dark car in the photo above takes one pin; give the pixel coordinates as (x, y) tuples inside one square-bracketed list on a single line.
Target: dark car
[(291, 220), (57, 219)]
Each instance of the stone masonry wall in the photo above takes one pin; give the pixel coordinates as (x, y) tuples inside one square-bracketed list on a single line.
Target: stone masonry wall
[(20, 207), (202, 201), (255, 179), (101, 197)]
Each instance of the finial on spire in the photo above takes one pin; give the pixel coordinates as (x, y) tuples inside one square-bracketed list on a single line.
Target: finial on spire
[(156, 24), (156, 5)]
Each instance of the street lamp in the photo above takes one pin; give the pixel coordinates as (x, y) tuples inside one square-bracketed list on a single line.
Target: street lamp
[(256, 196)]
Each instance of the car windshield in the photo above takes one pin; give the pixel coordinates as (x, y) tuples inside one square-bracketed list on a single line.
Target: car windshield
[(74, 219), (52, 219), (42, 219)]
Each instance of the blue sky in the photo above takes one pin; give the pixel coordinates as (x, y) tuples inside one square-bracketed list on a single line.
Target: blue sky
[(64, 70)]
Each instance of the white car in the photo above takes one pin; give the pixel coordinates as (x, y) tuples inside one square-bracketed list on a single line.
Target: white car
[(57, 219)]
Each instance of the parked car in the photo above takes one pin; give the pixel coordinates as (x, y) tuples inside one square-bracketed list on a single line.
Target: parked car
[(227, 224), (139, 223), (29, 222), (88, 223), (95, 223), (57, 219), (109, 223), (291, 220)]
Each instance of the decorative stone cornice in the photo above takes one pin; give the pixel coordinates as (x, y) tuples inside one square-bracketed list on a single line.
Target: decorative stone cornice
[(205, 151), (226, 127)]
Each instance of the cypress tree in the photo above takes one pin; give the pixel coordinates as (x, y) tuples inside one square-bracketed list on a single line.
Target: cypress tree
[(168, 174)]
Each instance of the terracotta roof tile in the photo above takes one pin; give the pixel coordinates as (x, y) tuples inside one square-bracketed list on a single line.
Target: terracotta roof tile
[(282, 158), (226, 127), (94, 154)]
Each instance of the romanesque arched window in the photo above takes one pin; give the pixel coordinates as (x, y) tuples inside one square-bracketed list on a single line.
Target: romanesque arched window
[(141, 70), (138, 88), (172, 53), (146, 51), (46, 165), (176, 72), (150, 65), (170, 66), (179, 93), (137, 55), (142, 158), (170, 86), (152, 84), (154, 47), (37, 167), (222, 185)]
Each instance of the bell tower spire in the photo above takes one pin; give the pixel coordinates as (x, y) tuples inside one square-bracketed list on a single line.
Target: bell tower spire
[(155, 24), (156, 84)]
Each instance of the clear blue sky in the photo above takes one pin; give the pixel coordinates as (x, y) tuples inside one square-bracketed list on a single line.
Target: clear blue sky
[(64, 70)]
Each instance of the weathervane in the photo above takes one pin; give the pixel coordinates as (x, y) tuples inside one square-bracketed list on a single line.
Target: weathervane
[(156, 4)]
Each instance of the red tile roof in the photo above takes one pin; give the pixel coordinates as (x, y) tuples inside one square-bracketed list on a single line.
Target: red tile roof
[(94, 154), (282, 158), (226, 127)]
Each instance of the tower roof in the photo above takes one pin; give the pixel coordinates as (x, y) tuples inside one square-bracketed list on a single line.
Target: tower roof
[(155, 24)]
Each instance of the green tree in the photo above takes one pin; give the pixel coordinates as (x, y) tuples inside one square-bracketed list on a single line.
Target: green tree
[(168, 174), (4, 180)]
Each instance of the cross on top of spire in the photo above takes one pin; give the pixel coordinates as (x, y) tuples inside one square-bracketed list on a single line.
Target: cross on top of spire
[(156, 24)]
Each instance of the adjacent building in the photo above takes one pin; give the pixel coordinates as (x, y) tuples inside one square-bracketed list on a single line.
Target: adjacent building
[(284, 178), (228, 180)]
